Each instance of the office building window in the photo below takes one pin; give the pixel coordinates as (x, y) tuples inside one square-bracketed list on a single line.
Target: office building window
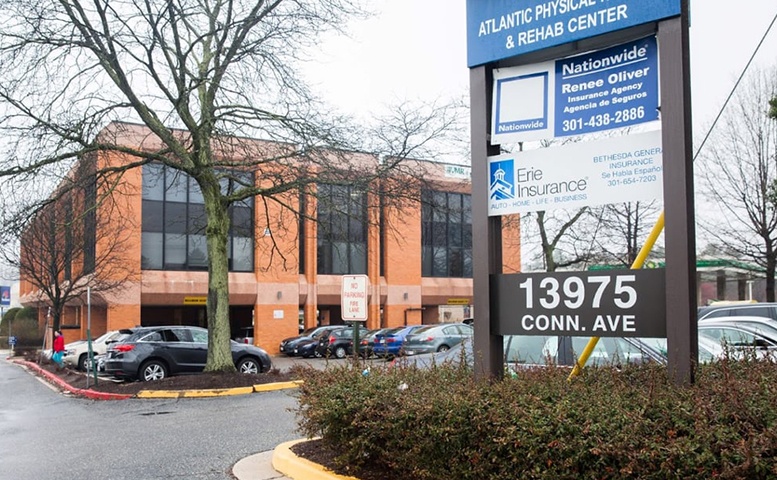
[(342, 230), (446, 234), (174, 220)]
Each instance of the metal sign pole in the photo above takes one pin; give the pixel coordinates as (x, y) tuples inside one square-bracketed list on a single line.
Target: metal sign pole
[(680, 230), (90, 362)]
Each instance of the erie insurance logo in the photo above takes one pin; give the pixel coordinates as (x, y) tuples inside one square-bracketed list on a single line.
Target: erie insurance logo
[(502, 185)]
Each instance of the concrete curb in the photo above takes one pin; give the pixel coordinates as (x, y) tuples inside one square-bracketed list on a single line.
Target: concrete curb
[(214, 392), (83, 392), (298, 468)]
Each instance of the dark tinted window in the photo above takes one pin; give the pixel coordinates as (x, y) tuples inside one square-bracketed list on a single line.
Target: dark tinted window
[(173, 222)]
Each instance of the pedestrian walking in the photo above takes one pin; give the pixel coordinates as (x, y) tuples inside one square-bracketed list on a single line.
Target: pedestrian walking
[(59, 348)]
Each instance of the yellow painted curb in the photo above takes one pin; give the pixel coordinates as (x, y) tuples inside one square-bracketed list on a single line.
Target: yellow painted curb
[(158, 394), (217, 392), (266, 387), (297, 468)]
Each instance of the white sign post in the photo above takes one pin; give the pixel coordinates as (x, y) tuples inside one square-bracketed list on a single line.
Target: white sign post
[(353, 301)]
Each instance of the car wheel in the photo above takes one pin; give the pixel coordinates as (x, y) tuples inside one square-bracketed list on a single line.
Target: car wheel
[(153, 370), (443, 348), (340, 352), (249, 365), (83, 362)]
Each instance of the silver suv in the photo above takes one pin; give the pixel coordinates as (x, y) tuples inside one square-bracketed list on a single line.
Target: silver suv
[(766, 309)]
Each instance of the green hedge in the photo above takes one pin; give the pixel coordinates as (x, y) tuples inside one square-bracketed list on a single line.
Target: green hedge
[(606, 424)]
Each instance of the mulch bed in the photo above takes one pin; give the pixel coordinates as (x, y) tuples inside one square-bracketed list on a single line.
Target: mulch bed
[(200, 381), (317, 452)]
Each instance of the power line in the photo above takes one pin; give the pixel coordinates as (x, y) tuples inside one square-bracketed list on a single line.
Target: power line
[(733, 90)]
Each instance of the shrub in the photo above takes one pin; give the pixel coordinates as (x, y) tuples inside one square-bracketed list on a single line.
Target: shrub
[(24, 327), (606, 424)]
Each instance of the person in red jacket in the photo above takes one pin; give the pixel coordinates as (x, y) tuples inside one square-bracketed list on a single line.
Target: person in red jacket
[(59, 348)]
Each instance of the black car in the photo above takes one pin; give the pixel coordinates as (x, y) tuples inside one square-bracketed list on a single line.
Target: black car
[(307, 347), (339, 342), (153, 353), (289, 344)]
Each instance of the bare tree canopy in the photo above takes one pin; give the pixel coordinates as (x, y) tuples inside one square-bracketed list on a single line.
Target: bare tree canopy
[(202, 77), (738, 174), (58, 253)]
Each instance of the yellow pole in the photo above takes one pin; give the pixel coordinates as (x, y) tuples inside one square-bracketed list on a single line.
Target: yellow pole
[(638, 263)]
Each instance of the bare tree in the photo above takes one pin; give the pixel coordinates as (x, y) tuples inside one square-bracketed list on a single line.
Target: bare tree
[(201, 76), (70, 245), (738, 173), (622, 231)]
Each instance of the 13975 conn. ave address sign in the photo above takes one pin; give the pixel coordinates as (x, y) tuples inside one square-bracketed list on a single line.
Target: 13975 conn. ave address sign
[(610, 303), (498, 29)]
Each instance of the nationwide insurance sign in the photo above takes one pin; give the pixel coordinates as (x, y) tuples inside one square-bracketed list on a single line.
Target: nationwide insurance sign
[(498, 29), (600, 90)]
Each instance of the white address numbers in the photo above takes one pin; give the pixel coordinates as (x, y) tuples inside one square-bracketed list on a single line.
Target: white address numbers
[(574, 292)]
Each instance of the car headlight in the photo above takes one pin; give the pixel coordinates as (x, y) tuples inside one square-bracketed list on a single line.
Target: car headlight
[(69, 353)]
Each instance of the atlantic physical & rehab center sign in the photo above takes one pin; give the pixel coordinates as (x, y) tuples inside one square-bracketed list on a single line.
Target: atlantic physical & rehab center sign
[(612, 85), (498, 29)]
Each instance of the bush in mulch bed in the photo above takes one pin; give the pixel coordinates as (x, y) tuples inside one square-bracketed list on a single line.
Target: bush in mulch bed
[(607, 424)]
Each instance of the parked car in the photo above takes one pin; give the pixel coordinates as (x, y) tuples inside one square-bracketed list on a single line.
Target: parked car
[(153, 353), (743, 309), (709, 349), (307, 348), (763, 324), (289, 344), (77, 353), (389, 342), (246, 335), (740, 338), (436, 338), (366, 343), (524, 351), (339, 342)]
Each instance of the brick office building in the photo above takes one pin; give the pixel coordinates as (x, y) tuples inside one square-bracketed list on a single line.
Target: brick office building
[(286, 270)]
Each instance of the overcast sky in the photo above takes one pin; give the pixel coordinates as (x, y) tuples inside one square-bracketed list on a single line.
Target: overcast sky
[(417, 49)]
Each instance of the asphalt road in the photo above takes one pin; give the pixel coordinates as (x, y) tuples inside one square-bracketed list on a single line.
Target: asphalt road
[(47, 435)]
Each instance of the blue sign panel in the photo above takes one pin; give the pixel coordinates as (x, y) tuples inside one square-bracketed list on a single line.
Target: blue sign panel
[(5, 296), (611, 88), (498, 29)]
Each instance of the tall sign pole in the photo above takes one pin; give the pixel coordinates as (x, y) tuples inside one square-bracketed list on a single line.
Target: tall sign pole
[(486, 249), (680, 231)]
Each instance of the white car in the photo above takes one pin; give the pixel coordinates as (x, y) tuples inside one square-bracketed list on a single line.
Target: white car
[(77, 353)]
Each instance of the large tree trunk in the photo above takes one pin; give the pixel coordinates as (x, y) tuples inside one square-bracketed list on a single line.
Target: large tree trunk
[(217, 230)]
